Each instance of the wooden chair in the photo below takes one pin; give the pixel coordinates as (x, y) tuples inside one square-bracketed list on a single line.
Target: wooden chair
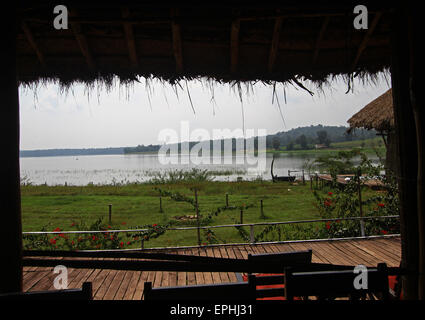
[(85, 293), (276, 281), (335, 284), (243, 291)]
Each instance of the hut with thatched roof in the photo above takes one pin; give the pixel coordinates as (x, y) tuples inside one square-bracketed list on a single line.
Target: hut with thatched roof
[(231, 41), (379, 115)]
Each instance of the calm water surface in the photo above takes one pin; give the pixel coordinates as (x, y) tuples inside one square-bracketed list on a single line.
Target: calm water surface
[(111, 169)]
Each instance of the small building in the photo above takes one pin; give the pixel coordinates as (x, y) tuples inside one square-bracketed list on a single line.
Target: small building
[(379, 115)]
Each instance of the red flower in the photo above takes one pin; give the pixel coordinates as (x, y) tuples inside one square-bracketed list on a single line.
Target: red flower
[(72, 242), (124, 223), (57, 229), (328, 225), (338, 221), (109, 227), (93, 238), (72, 224), (53, 241), (128, 243), (121, 244), (330, 193), (381, 205), (327, 203), (384, 232)]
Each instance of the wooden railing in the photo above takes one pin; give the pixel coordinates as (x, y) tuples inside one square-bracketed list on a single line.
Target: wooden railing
[(250, 225)]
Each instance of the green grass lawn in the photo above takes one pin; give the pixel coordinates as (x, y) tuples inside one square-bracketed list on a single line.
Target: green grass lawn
[(368, 146), (137, 205)]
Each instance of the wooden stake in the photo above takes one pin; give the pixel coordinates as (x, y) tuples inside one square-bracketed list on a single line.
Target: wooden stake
[(261, 208), (359, 190), (197, 217), (160, 205), (110, 213)]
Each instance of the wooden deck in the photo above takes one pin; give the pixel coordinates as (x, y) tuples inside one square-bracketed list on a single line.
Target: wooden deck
[(128, 285)]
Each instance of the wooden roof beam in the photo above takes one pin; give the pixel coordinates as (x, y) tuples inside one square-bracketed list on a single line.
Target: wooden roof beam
[(177, 42), (320, 37), (33, 44), (234, 45), (275, 43), (82, 42), (131, 44), (366, 38)]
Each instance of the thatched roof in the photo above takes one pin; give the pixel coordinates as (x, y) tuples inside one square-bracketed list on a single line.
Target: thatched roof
[(378, 114), (224, 41)]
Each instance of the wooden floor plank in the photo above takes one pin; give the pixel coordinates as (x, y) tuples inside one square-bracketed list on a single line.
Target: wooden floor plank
[(223, 275), (145, 276), (129, 293), (207, 275)]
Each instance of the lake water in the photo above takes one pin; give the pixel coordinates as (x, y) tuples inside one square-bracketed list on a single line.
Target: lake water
[(112, 169)]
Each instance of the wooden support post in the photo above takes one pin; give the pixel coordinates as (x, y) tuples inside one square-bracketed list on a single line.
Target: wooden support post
[(241, 216), (110, 213), (311, 183), (416, 96), (303, 177), (227, 200), (11, 253), (406, 141), (251, 233)]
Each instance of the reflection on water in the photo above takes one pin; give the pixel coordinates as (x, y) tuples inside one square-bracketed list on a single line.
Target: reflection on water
[(110, 169)]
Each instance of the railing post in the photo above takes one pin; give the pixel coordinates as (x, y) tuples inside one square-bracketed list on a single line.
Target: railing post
[(359, 189), (251, 227), (227, 200), (197, 217)]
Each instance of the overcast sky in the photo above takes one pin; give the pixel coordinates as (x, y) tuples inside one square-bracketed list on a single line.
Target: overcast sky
[(129, 117)]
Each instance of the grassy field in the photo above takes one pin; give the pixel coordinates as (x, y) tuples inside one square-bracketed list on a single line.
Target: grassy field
[(136, 205), (368, 146)]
